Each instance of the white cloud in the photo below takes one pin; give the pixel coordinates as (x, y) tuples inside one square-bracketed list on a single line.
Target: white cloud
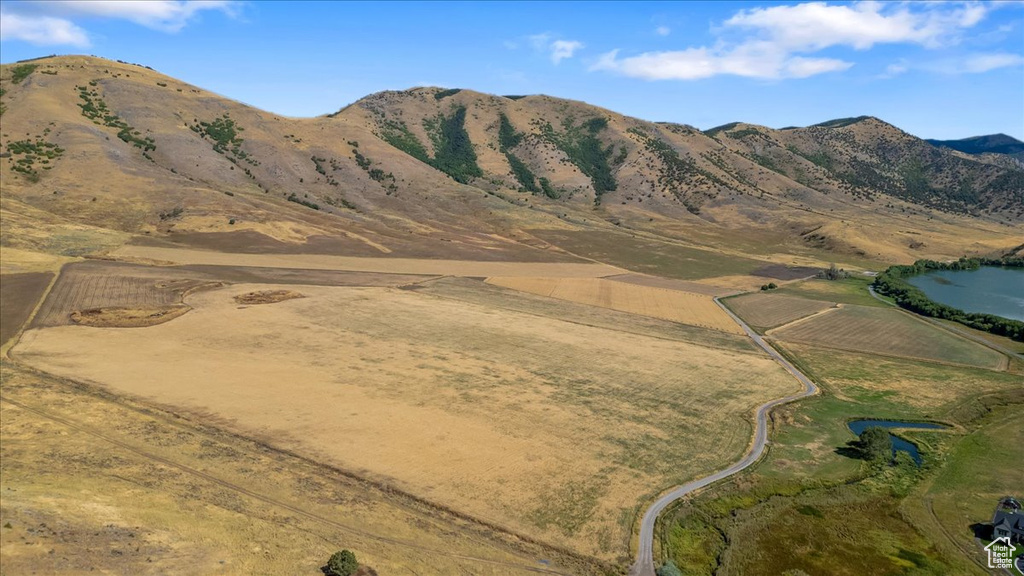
[(895, 69), (749, 61), (818, 25), (979, 63), (53, 22), (780, 41), (662, 30), (562, 49), (556, 49), (42, 31)]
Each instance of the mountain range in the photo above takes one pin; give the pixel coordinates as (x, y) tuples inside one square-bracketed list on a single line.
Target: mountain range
[(96, 153)]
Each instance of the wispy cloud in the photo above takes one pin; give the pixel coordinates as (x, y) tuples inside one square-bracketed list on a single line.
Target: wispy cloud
[(42, 30), (562, 49), (54, 22), (780, 41), (977, 63), (662, 30), (555, 48)]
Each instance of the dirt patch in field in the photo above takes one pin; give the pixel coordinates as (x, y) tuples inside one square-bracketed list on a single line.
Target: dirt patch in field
[(267, 296), (19, 294), (117, 317)]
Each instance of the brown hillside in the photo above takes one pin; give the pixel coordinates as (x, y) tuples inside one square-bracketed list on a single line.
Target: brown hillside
[(97, 153)]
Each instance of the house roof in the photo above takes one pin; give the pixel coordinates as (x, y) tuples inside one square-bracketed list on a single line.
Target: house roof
[(1011, 520)]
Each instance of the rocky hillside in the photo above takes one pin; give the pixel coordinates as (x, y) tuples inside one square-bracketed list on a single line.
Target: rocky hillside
[(101, 151)]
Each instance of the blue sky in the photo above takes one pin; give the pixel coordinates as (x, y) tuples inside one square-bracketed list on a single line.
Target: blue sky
[(937, 70)]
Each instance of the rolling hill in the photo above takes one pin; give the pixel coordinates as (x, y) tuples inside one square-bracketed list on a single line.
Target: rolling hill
[(989, 144), (97, 153)]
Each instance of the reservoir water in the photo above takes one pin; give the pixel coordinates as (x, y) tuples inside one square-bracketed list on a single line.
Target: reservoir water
[(989, 289), (898, 444)]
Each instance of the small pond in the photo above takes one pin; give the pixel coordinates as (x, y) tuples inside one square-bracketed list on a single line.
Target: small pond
[(898, 444)]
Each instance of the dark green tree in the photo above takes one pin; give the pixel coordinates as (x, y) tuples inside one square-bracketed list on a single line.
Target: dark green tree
[(875, 444), (669, 569), (342, 563)]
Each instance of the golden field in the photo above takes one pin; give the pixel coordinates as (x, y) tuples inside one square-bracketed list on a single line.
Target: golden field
[(677, 306), (486, 410)]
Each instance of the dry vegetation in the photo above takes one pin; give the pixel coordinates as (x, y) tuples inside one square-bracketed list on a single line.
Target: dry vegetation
[(19, 294), (555, 430), (887, 332), (267, 296), (682, 307), (94, 483), (379, 265), (122, 317), (770, 310)]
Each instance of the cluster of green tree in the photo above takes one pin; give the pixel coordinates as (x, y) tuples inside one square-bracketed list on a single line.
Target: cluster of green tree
[(398, 135), (892, 283), (833, 272), (874, 444), (549, 190), (20, 72), (669, 569), (821, 158), (509, 138), (453, 150), (304, 202), (224, 133), (386, 179), (30, 152), (584, 149), (342, 563), (676, 173), (446, 93), (95, 109), (769, 286)]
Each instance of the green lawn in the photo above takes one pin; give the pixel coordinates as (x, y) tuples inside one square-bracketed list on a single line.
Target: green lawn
[(808, 507), (852, 290)]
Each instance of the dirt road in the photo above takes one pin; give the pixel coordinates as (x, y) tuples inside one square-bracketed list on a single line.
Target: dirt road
[(644, 564)]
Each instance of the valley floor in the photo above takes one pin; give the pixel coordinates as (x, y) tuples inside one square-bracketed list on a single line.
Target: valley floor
[(423, 417)]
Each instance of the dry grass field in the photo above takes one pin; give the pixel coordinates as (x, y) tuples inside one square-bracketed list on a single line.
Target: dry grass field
[(19, 294), (96, 286), (551, 429), (671, 284), (683, 307), (97, 484), (763, 310), (360, 264), (887, 332)]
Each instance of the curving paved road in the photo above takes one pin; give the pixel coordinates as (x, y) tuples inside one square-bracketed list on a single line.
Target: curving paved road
[(644, 564)]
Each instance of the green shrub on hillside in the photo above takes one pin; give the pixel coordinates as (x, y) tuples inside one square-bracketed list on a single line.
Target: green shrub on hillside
[(584, 149), (95, 109), (22, 71), (398, 135), (453, 150), (27, 155), (445, 93), (522, 173), (508, 138)]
